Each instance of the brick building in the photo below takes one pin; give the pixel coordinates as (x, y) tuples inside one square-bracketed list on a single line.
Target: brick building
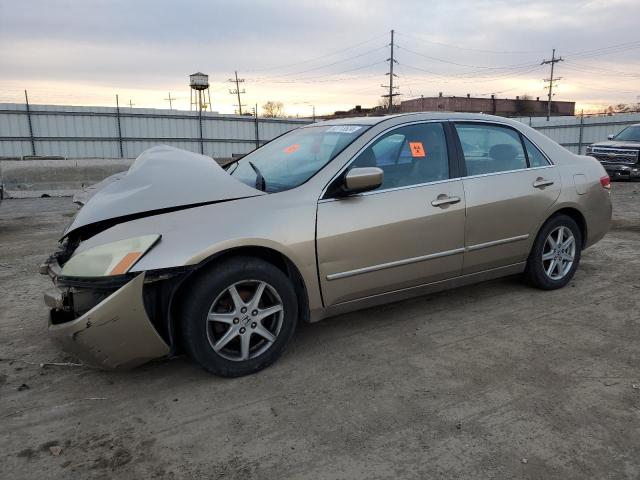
[(506, 107)]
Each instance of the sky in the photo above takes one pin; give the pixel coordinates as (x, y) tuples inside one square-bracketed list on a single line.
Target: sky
[(331, 55)]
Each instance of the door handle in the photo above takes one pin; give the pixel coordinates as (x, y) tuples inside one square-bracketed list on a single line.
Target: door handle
[(542, 182), (444, 200)]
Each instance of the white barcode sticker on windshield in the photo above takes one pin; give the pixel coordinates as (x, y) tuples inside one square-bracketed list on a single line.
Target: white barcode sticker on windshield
[(344, 128)]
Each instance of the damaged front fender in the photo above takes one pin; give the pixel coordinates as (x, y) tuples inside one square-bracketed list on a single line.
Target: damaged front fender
[(115, 334)]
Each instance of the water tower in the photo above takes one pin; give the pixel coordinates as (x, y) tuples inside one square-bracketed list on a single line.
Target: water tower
[(200, 95)]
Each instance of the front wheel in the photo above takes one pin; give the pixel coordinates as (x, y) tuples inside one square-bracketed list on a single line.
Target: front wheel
[(239, 316), (555, 255)]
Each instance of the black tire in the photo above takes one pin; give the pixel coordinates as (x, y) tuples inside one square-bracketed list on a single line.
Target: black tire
[(535, 273), (207, 286)]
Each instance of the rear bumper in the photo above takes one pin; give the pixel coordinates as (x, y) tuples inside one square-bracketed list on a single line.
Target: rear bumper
[(114, 334)]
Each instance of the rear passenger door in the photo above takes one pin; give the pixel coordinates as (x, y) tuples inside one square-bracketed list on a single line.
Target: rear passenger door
[(509, 187)]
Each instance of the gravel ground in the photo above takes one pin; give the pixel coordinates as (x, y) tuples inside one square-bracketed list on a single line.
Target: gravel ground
[(495, 380)]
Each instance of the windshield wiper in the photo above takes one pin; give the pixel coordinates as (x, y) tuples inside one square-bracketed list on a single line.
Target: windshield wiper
[(260, 181)]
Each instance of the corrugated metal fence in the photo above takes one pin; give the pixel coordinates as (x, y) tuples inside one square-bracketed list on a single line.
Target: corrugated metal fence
[(106, 132), (575, 133)]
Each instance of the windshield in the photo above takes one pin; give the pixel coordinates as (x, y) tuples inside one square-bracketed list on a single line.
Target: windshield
[(630, 134), (293, 158)]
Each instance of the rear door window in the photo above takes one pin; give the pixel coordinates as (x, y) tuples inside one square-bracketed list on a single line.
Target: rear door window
[(490, 148)]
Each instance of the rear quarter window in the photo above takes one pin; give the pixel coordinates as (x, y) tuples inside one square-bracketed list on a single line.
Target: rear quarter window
[(536, 158)]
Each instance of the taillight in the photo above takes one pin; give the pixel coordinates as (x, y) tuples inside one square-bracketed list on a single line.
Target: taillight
[(605, 182)]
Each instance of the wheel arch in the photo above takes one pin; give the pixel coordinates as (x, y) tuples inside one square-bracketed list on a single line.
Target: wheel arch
[(574, 213), (267, 254)]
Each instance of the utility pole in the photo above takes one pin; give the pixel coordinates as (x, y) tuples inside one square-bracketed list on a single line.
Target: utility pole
[(237, 90), (170, 101), (119, 125), (550, 80), (33, 141), (257, 126), (131, 104), (391, 93)]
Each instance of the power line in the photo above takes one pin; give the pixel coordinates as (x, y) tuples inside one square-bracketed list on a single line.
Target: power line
[(327, 78), (620, 47), (348, 59), (311, 70), (485, 67), (311, 60), (600, 87), (600, 70), (304, 79), (404, 83), (524, 52), (476, 78), (606, 50)]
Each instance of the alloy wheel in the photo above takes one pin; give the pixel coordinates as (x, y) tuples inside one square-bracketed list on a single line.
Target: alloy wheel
[(558, 253), (245, 320)]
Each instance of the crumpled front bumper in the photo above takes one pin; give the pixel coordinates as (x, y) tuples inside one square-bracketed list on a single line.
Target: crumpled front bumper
[(114, 334)]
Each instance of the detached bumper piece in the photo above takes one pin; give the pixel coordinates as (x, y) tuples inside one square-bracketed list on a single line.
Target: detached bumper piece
[(115, 334)]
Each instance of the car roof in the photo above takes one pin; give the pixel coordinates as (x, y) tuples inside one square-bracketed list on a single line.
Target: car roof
[(415, 116)]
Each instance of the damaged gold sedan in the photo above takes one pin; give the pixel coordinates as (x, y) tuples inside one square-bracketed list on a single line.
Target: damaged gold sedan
[(181, 255)]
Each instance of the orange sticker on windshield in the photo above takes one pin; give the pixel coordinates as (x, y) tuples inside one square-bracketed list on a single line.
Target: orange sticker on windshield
[(417, 150), (292, 148)]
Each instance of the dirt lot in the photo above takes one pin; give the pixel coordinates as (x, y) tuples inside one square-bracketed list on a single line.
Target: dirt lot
[(492, 381)]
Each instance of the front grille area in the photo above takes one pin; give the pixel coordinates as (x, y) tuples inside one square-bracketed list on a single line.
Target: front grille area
[(615, 155)]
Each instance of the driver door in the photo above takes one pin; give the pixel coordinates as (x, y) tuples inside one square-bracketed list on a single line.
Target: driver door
[(408, 232)]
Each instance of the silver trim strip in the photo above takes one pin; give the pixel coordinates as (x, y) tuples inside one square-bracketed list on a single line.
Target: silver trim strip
[(480, 175), (480, 246), (423, 285), (397, 263), (431, 256)]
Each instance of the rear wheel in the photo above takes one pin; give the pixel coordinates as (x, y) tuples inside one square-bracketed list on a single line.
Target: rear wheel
[(555, 255), (239, 316)]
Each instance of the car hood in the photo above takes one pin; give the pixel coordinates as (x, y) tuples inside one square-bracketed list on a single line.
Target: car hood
[(616, 144), (162, 178)]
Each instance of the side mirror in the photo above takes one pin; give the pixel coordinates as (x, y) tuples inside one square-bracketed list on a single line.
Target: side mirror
[(363, 179), (611, 136)]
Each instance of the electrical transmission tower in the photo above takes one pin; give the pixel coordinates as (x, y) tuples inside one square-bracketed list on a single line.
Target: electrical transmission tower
[(391, 87), (551, 80), (237, 91)]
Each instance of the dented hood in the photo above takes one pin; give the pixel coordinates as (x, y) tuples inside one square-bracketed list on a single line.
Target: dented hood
[(161, 178)]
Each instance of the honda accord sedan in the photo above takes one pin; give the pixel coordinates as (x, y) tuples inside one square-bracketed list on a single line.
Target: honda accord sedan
[(182, 255)]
